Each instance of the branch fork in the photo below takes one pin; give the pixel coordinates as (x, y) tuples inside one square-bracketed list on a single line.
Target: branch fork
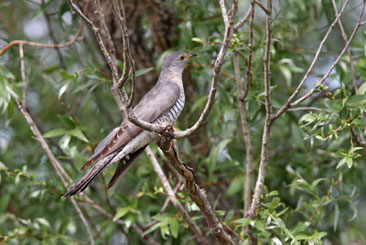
[(197, 194)]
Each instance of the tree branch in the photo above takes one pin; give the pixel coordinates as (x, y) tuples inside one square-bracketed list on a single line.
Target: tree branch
[(326, 75), (197, 194), (344, 36), (266, 10), (59, 170), (311, 67), (96, 32), (43, 45), (267, 124), (248, 144), (120, 12), (105, 32), (217, 68), (201, 239), (246, 136), (244, 19)]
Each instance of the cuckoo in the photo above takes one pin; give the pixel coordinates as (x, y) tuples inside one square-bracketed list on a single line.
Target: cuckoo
[(164, 102)]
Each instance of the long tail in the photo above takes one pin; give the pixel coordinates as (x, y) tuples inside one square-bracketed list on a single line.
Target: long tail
[(124, 165), (88, 177)]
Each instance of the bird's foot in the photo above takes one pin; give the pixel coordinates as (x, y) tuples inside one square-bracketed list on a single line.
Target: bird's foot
[(170, 146)]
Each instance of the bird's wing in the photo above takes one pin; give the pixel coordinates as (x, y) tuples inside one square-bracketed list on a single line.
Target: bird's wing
[(124, 165), (159, 100)]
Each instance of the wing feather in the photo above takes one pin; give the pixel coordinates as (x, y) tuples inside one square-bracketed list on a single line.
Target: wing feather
[(159, 100)]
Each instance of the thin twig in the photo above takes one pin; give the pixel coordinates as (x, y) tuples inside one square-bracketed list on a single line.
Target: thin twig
[(85, 222), (122, 101), (25, 82), (326, 75), (43, 45), (267, 124), (59, 170), (248, 186), (61, 173), (216, 71), (106, 33), (244, 19), (120, 12), (122, 98), (57, 166), (197, 194), (96, 32), (73, 118), (53, 37), (135, 227), (266, 10), (225, 16), (344, 36), (311, 67), (201, 239), (246, 136)]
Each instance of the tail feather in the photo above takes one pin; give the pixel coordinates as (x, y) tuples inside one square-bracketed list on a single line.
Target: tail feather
[(124, 165), (88, 177)]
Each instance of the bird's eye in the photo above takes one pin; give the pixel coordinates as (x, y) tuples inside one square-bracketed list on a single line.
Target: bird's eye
[(182, 57)]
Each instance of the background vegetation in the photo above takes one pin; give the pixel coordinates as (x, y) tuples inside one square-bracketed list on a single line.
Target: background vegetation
[(315, 184)]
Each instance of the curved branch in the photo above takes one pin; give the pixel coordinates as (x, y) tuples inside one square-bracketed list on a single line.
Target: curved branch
[(201, 239), (43, 45), (197, 194), (217, 68), (316, 57)]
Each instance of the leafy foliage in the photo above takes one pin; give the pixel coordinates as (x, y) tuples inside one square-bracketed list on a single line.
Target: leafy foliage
[(315, 183)]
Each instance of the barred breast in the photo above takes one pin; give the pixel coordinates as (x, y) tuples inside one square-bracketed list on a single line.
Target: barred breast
[(145, 137), (173, 114)]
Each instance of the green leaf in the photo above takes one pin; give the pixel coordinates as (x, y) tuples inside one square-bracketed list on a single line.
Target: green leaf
[(336, 216), (50, 69), (341, 162), (4, 201), (63, 89), (43, 9), (362, 89), (355, 99), (260, 225), (11, 107), (152, 228), (282, 225), (242, 221), (252, 108), (235, 186), (286, 73), (164, 228), (65, 75), (274, 204), (143, 71), (63, 226), (308, 118), (174, 227), (121, 212), (349, 162), (43, 222), (67, 122), (273, 193), (64, 141), (337, 105), (55, 132), (198, 40), (76, 132), (199, 103)]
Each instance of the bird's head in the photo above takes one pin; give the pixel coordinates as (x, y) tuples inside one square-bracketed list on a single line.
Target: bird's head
[(176, 60)]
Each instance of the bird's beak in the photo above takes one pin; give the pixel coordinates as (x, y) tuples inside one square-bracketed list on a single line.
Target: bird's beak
[(191, 55)]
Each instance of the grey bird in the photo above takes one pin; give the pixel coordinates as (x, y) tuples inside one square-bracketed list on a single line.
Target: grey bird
[(164, 102)]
